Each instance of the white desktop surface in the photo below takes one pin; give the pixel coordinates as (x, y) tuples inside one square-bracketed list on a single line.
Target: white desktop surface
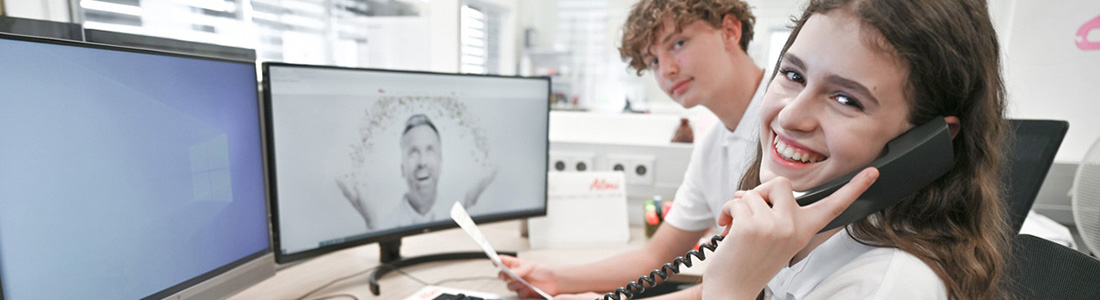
[(291, 282)]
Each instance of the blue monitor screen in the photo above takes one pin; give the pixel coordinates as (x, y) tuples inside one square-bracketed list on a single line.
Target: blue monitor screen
[(124, 173)]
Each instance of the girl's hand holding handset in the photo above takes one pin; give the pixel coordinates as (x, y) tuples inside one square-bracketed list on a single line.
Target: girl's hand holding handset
[(765, 229)]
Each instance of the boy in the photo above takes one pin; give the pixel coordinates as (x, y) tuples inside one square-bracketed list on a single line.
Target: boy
[(697, 51)]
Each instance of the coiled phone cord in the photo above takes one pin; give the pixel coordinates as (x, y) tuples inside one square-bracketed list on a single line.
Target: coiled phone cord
[(634, 288)]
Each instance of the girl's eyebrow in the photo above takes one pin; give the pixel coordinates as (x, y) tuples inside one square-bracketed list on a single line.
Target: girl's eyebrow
[(852, 84), (794, 60), (833, 78)]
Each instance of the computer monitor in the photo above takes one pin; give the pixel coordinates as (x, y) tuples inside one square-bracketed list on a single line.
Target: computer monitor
[(128, 174), (359, 156)]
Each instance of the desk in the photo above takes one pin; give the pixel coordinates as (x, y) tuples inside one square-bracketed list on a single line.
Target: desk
[(293, 281)]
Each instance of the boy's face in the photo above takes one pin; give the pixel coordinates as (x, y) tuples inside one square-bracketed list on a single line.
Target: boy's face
[(692, 66)]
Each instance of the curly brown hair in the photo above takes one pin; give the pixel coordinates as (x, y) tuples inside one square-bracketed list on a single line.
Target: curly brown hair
[(647, 17)]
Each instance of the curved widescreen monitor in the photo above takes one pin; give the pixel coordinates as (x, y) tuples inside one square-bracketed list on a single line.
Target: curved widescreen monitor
[(128, 174), (365, 155)]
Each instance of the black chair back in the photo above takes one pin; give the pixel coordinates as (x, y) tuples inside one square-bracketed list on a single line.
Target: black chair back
[(1036, 142), (1041, 269)]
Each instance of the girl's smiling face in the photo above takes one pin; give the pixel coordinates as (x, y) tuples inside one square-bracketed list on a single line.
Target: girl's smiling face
[(837, 99)]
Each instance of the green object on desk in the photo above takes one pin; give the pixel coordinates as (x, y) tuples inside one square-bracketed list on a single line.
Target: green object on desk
[(654, 213)]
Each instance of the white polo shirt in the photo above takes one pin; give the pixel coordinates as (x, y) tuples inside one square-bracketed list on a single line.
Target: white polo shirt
[(842, 268), (717, 163)]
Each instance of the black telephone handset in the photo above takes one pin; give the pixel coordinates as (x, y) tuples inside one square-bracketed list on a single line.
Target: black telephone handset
[(909, 163)]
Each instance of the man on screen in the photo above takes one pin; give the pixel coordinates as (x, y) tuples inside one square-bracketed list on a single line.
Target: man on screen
[(420, 166), (421, 162)]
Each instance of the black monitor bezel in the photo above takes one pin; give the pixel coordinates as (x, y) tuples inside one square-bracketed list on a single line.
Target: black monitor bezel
[(386, 235), (179, 287), (41, 28), (170, 45)]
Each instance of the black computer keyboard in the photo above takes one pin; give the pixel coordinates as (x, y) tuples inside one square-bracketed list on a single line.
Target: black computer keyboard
[(448, 296)]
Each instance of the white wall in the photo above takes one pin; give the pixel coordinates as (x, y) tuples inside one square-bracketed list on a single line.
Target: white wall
[(541, 16), (1047, 76), (50, 10), (1001, 11), (444, 34)]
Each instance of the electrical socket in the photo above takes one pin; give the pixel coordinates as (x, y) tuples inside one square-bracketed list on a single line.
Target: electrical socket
[(571, 161), (637, 168)]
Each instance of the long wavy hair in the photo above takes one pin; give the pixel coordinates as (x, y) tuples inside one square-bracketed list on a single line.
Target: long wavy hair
[(957, 225)]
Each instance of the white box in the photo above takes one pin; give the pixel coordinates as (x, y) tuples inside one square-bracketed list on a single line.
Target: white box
[(583, 209)]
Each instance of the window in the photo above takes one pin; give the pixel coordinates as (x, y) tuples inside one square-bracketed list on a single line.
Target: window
[(582, 30), (211, 21), (582, 27), (479, 39), (333, 32), (292, 30)]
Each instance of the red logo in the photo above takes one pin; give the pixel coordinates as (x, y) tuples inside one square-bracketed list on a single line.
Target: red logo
[(602, 184)]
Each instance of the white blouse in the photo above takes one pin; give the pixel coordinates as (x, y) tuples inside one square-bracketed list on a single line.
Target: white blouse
[(842, 268)]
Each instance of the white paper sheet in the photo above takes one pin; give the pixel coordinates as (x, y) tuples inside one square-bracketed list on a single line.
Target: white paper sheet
[(460, 216)]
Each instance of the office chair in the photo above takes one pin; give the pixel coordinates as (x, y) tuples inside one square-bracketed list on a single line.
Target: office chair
[(1041, 269), (1032, 154)]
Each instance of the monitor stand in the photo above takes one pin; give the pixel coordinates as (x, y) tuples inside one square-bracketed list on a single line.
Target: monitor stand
[(390, 251)]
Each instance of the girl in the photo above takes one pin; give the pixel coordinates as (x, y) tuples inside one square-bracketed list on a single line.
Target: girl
[(853, 75)]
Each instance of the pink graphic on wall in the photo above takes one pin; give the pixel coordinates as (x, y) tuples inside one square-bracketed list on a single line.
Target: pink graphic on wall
[(1083, 41)]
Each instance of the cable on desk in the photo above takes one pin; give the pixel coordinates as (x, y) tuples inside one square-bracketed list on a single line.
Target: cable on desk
[(410, 276), (334, 281), (338, 296), (423, 282), (466, 279)]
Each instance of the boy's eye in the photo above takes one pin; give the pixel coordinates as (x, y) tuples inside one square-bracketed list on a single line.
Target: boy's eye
[(848, 100), (678, 44), (793, 75), (653, 63)]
